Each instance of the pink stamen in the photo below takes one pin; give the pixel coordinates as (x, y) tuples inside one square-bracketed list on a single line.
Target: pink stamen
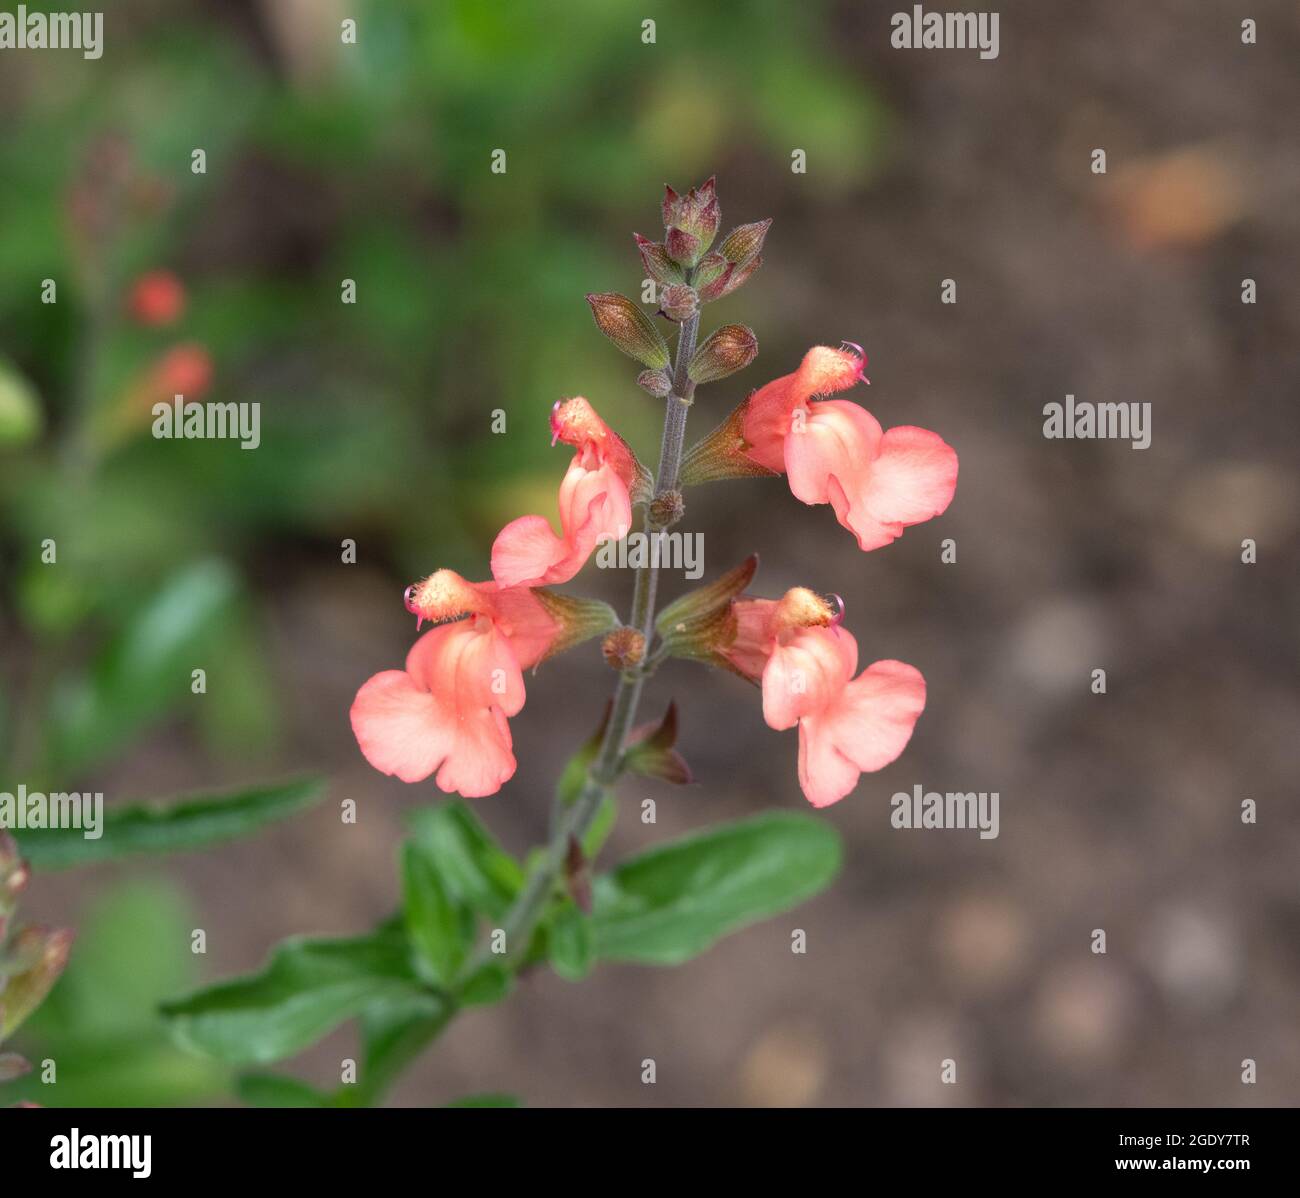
[(555, 432), (835, 621)]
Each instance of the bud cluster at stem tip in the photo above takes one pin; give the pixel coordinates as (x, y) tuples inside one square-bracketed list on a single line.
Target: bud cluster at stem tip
[(684, 258)]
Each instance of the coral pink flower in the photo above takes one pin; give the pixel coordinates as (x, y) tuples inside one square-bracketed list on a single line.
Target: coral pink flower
[(847, 726), (835, 452), (595, 504), (446, 712)]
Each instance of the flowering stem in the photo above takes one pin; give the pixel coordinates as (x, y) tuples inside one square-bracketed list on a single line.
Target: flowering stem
[(576, 819), (527, 909)]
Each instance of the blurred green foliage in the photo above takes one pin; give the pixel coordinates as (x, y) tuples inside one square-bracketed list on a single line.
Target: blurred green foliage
[(371, 162)]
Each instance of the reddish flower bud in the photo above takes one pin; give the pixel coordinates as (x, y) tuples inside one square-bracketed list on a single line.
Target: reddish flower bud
[(739, 275), (711, 275), (667, 509), (692, 222), (745, 241), (657, 382), (658, 265), (679, 302), (623, 648), (577, 876), (41, 954), (651, 754), (629, 328), (157, 298), (706, 222), (671, 205), (682, 247), (727, 350)]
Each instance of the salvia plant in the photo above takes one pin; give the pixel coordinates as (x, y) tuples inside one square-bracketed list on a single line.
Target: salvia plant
[(473, 917)]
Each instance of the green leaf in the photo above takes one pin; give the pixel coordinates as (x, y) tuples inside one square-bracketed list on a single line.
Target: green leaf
[(488, 984), (574, 775), (155, 828), (307, 988), (571, 944), (274, 1090), (671, 903), (441, 929), (393, 1031), (474, 869), (601, 827)]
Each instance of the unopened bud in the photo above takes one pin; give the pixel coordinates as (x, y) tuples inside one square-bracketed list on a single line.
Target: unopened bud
[(740, 274), (656, 382), (623, 648), (728, 349), (696, 213), (723, 276), (744, 241), (679, 302), (711, 275), (672, 203), (667, 509), (655, 259), (42, 955), (682, 247), (629, 328)]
